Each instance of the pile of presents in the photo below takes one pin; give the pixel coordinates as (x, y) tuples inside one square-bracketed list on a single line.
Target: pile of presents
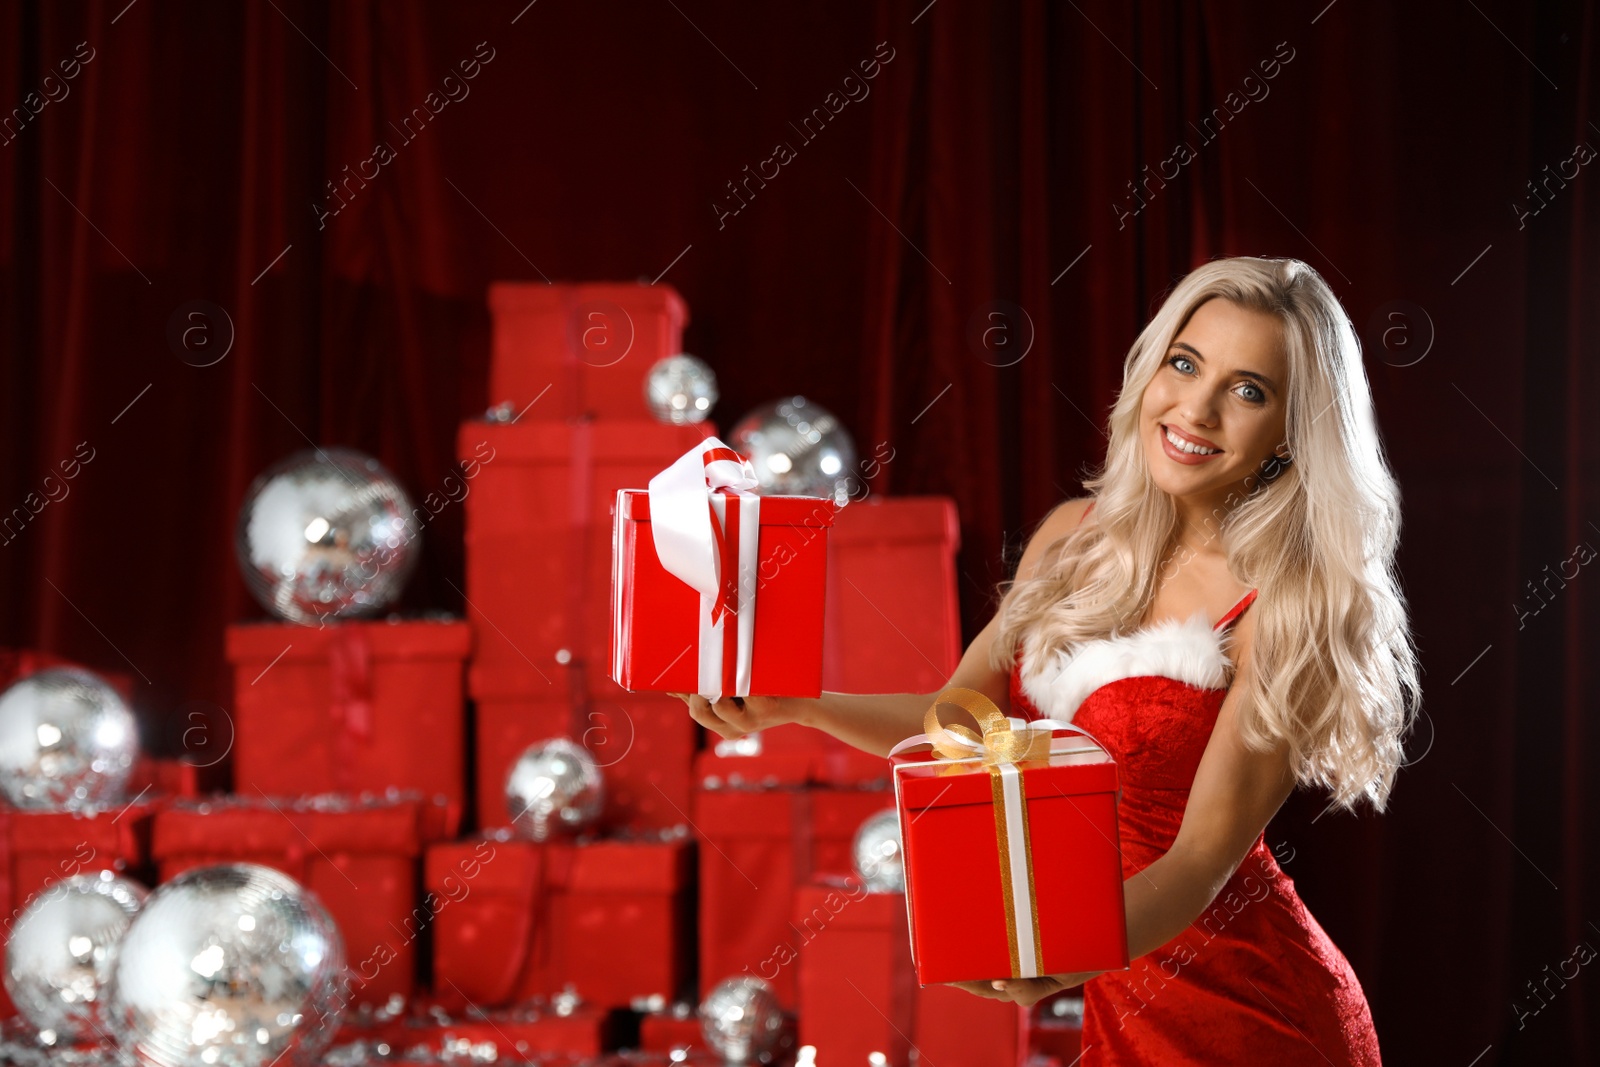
[(369, 761)]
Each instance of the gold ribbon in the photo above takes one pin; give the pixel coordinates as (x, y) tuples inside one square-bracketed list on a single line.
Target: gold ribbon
[(998, 745)]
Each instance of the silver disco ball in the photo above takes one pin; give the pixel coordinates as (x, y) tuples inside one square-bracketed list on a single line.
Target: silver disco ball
[(61, 951), (877, 853), (680, 389), (67, 741), (326, 534), (797, 448), (554, 785), (741, 1019), (233, 965)]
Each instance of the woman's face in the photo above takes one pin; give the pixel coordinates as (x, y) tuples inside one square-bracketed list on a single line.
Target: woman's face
[(1222, 386)]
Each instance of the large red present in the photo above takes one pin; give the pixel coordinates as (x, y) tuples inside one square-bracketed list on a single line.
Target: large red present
[(580, 348), (351, 706), (894, 617), (359, 858), (971, 812), (47, 846), (644, 745), (607, 918), (715, 589), (857, 992), (538, 536), (954, 1026), (750, 861)]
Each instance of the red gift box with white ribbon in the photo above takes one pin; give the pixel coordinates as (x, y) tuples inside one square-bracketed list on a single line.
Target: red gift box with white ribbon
[(717, 590), (1011, 837)]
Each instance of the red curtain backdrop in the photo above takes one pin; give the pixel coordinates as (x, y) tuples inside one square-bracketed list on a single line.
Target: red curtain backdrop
[(955, 262)]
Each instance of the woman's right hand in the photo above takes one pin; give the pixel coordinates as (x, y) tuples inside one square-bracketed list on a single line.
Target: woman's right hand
[(733, 717)]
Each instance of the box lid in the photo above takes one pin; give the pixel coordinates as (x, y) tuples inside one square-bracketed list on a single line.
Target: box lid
[(814, 512), (1081, 769)]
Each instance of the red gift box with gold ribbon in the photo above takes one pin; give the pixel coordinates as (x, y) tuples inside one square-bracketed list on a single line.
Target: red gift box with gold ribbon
[(1010, 835), (716, 589)]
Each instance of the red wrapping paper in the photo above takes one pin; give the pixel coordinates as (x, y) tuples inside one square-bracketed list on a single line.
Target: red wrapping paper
[(580, 349), (857, 992), (953, 862), (351, 707), (608, 918), (655, 615), (360, 862)]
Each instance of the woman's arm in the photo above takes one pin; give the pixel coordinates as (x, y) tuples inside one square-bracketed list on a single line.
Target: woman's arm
[(1236, 791), (875, 722)]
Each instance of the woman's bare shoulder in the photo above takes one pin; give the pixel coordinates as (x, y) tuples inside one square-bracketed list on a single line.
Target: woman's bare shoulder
[(1057, 524)]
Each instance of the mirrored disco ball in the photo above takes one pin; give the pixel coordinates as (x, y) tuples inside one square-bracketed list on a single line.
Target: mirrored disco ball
[(327, 534), (232, 965), (61, 950), (741, 1019), (680, 389), (554, 786), (67, 741), (876, 849), (797, 448)]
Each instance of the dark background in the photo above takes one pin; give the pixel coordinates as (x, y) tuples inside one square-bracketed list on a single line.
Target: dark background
[(1390, 153)]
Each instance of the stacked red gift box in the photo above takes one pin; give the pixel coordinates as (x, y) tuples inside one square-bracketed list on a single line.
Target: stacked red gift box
[(370, 758)]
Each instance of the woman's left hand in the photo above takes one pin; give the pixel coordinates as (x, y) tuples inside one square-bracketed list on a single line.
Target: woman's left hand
[(1025, 991)]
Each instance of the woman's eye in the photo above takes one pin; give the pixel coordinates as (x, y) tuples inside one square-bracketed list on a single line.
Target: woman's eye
[(1257, 396)]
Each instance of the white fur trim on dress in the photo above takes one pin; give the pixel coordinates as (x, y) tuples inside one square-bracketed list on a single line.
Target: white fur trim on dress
[(1188, 651)]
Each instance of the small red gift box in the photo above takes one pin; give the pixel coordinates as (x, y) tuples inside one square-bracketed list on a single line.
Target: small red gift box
[(538, 534), (857, 993), (715, 589), (589, 344), (359, 858), (609, 918), (1024, 848), (351, 706)]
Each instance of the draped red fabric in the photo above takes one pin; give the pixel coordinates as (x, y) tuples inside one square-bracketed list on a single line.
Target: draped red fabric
[(955, 262)]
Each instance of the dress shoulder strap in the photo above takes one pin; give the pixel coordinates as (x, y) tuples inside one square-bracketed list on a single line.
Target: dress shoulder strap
[(1235, 611), (1085, 514)]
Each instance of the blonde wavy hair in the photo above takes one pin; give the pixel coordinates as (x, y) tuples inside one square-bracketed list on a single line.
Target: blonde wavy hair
[(1334, 673)]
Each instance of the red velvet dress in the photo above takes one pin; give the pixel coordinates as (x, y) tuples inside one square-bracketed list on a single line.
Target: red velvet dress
[(1254, 979)]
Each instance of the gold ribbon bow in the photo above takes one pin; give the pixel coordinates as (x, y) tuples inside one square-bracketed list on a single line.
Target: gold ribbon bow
[(999, 742)]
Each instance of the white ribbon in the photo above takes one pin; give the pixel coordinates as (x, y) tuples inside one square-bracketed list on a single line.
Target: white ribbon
[(686, 500)]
